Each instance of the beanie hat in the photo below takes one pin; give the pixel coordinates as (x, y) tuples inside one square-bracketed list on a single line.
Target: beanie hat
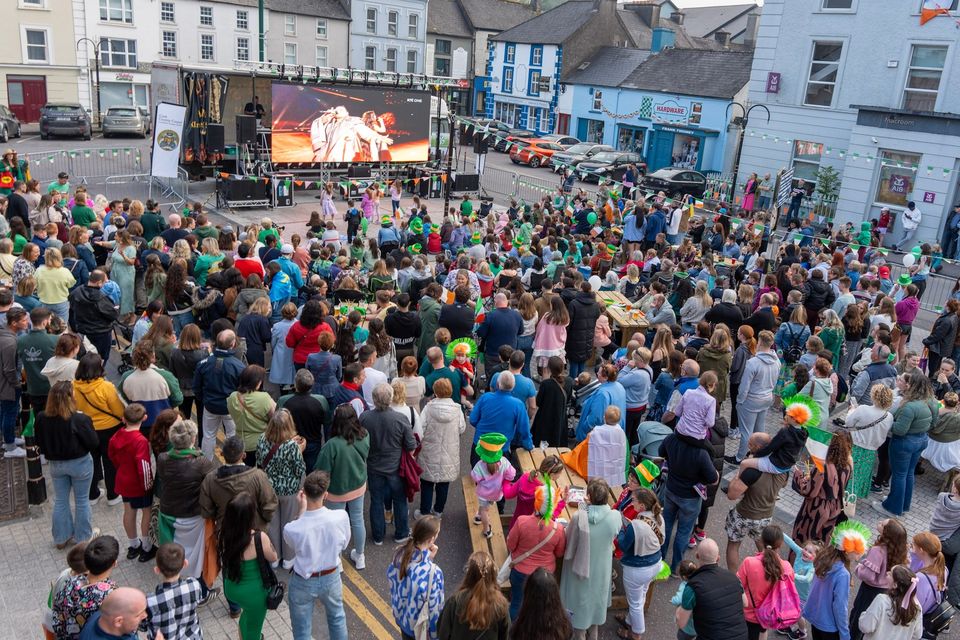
[(490, 447)]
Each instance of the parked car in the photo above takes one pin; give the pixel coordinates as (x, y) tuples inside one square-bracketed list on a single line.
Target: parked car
[(536, 153), (125, 120), (560, 139), (519, 136), (64, 119), (146, 118), (572, 156), (9, 124), (610, 165), (673, 180)]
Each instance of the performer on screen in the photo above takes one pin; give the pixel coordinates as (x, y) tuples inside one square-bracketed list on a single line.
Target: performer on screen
[(336, 136), (374, 151)]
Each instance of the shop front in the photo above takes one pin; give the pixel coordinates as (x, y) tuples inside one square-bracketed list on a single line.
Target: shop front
[(630, 138), (590, 130), (683, 147), (124, 89)]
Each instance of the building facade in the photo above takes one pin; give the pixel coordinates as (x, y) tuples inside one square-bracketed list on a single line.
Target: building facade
[(880, 110), (41, 63), (312, 33), (388, 37)]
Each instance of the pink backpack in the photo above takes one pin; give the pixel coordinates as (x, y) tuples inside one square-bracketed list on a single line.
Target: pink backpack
[(781, 608)]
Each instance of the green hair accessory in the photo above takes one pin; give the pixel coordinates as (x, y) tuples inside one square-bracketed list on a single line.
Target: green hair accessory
[(803, 410), (460, 345)]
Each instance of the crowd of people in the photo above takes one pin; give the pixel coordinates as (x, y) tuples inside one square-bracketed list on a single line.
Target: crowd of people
[(269, 382)]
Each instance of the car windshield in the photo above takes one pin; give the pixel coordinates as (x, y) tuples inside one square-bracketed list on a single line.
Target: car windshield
[(605, 156), (115, 111), (664, 174), (61, 108), (580, 148)]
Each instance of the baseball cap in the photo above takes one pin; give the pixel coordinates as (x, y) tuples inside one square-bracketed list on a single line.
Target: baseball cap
[(884, 272), (286, 248)]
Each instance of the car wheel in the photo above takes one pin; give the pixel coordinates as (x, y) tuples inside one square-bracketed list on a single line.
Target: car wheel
[(88, 135), (4, 134), (44, 136), (19, 131), (535, 161)]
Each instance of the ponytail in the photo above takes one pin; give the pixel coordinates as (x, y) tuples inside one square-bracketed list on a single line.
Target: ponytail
[(648, 499), (426, 528), (772, 539)]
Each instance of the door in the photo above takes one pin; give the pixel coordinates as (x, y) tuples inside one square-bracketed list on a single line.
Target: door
[(25, 96), (563, 123), (661, 151)]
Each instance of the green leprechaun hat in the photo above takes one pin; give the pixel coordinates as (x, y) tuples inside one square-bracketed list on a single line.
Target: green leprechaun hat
[(646, 472), (490, 447), (416, 225), (386, 221), (416, 249), (476, 238)]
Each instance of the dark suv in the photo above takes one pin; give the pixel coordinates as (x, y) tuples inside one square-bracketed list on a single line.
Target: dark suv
[(64, 119)]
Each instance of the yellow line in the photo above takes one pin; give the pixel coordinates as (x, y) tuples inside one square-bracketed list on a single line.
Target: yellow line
[(357, 580), (354, 603)]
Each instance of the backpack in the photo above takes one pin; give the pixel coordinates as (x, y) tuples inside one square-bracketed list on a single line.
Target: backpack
[(794, 351), (781, 608)]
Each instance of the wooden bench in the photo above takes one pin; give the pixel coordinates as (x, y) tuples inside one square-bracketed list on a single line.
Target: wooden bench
[(495, 545)]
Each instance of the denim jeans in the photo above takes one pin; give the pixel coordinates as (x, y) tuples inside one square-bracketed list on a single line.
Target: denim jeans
[(9, 410), (749, 421), (358, 530), (517, 581), (71, 475), (684, 512), (427, 502), (59, 309), (576, 368), (181, 320), (385, 490), (904, 455), (303, 594), (525, 344), (311, 453)]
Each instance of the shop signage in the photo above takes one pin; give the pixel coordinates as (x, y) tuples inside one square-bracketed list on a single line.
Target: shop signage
[(686, 132), (899, 184), (123, 76), (670, 111), (941, 124), (773, 82), (929, 197)]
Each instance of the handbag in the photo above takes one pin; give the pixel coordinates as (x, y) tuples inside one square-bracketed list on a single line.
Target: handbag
[(275, 588), (504, 573), (421, 628), (938, 619)]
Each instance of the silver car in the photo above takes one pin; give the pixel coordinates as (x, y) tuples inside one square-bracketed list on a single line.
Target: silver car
[(125, 120)]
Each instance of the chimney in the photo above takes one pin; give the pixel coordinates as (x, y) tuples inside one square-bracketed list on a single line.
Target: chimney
[(649, 12), (723, 37), (677, 17), (750, 33), (661, 39), (535, 5)]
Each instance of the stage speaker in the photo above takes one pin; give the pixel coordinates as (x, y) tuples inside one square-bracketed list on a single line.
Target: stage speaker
[(215, 141), (358, 171), (480, 144), (467, 135), (238, 190), (246, 129), (466, 182)]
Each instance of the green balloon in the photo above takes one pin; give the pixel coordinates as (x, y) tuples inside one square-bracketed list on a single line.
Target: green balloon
[(916, 252), (592, 218)]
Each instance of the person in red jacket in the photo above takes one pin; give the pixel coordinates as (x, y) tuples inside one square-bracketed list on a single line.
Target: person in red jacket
[(303, 336), (129, 451)]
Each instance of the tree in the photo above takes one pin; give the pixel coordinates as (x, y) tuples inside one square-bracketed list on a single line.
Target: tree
[(828, 183)]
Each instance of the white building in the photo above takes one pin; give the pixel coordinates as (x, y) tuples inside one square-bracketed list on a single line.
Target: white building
[(388, 36), (864, 89)]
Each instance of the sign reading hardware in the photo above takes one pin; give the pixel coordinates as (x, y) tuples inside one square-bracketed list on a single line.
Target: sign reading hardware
[(670, 111)]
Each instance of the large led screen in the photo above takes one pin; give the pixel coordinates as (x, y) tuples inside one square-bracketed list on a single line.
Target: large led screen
[(337, 123)]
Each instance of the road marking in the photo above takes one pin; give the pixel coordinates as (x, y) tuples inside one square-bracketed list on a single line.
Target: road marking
[(379, 603), (22, 140), (352, 601)]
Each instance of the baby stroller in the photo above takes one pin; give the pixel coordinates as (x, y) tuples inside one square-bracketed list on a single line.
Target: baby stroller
[(650, 435), (123, 338)]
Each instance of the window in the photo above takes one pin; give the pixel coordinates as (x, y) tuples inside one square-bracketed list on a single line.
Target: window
[(533, 84), (597, 99), (824, 68), (116, 11), (371, 20), (167, 12), (393, 19), (392, 60), (289, 53), (837, 5), (321, 56), (898, 175), (806, 160), (33, 4), (206, 16), (412, 61), (36, 45), (413, 26), (923, 77), (243, 49), (443, 47), (544, 121), (510, 53), (289, 25), (370, 58), (321, 28), (169, 40), (206, 47), (536, 55), (118, 53), (441, 58), (507, 80), (243, 20)]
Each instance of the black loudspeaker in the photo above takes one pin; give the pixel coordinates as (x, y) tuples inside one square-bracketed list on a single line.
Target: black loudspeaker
[(358, 171), (242, 189), (215, 141), (480, 144), (467, 135), (466, 182), (246, 129)]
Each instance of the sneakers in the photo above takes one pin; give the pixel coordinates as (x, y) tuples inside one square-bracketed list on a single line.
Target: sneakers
[(94, 501), (19, 442), (212, 593), (876, 488), (732, 460), (794, 633), (288, 565), (401, 540), (133, 552), (417, 514), (63, 545), (477, 520), (882, 510), (388, 516), (147, 556), (359, 561), (114, 501), (16, 452), (488, 533), (692, 543), (377, 542)]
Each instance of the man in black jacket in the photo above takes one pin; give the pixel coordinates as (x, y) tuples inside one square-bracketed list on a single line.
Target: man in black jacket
[(763, 319), (17, 206), (92, 313), (727, 312), (713, 597), (403, 326), (817, 295)]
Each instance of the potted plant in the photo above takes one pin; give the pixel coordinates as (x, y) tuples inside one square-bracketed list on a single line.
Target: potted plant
[(827, 189)]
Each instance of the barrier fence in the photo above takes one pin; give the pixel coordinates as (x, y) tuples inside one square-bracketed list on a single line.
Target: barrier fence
[(85, 165)]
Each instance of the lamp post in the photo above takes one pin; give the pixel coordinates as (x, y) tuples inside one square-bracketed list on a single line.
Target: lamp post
[(96, 51), (743, 128)]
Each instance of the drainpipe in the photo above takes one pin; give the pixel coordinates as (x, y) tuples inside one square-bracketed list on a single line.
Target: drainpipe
[(261, 38)]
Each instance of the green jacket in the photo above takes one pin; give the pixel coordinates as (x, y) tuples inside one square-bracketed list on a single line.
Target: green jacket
[(914, 417), (947, 428), (346, 464), (153, 224), (429, 313), (34, 350)]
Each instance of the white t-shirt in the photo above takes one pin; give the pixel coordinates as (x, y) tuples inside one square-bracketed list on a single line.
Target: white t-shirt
[(673, 228), (370, 382), (911, 219)]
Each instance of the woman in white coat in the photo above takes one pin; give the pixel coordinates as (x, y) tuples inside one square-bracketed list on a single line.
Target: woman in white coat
[(439, 426)]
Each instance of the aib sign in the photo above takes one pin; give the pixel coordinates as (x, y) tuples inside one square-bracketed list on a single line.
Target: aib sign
[(899, 184), (670, 111)]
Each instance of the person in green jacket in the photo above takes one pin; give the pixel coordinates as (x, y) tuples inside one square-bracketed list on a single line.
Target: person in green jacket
[(81, 213), (208, 262), (34, 349), (832, 334), (344, 457), (152, 221), (466, 207), (429, 312)]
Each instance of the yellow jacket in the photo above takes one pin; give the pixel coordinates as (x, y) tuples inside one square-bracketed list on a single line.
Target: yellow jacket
[(99, 400)]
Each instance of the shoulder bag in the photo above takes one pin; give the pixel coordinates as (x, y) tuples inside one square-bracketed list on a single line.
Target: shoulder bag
[(938, 619), (267, 458), (275, 588), (504, 574), (421, 628)]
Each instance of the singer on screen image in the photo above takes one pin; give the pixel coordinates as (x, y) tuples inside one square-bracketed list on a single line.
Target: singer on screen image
[(336, 136)]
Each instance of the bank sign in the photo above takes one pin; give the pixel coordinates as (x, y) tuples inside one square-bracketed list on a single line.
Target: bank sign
[(670, 111)]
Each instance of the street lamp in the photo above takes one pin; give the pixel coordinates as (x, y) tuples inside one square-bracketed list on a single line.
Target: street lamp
[(743, 128), (96, 51)]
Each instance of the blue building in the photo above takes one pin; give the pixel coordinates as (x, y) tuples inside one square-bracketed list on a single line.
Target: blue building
[(670, 106)]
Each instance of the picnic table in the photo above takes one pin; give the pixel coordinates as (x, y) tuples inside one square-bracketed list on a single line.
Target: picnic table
[(622, 316)]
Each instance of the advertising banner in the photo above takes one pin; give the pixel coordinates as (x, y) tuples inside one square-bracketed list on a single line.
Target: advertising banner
[(167, 139), (345, 124)]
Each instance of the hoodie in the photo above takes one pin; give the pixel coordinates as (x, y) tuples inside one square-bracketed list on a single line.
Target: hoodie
[(99, 399), (403, 327), (826, 606), (219, 487), (945, 519), (129, 452), (758, 381), (59, 369)]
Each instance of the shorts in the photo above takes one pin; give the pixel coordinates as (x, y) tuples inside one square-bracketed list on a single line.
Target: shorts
[(485, 503), (905, 329), (737, 527), (139, 502), (764, 465)]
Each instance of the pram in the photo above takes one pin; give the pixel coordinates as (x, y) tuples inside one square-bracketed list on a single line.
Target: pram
[(123, 338), (650, 434)]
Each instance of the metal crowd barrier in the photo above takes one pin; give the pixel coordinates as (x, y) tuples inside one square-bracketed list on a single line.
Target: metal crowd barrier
[(167, 192), (86, 165)]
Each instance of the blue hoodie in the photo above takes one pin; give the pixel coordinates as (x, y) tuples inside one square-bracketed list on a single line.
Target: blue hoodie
[(826, 606)]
